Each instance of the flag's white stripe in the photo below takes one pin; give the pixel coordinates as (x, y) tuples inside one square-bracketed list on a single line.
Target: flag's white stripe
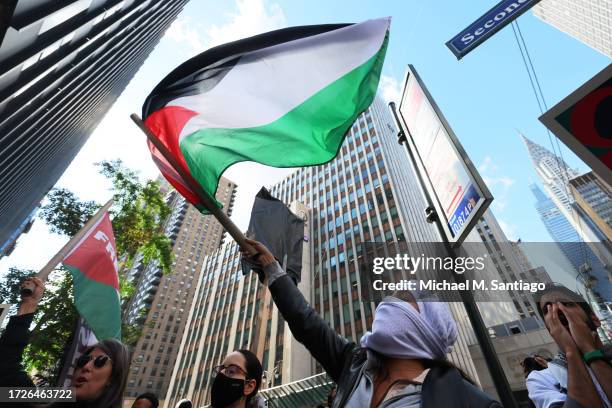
[(270, 82)]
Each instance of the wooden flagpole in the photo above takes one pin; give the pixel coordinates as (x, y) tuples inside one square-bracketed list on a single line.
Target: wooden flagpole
[(203, 196), (43, 274)]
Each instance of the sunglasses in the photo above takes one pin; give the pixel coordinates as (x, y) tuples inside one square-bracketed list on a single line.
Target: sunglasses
[(98, 362), (230, 370)]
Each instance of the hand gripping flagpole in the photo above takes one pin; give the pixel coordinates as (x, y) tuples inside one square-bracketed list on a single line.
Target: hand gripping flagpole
[(43, 274), (203, 196)]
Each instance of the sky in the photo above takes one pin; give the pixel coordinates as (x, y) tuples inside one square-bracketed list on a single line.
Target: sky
[(486, 97)]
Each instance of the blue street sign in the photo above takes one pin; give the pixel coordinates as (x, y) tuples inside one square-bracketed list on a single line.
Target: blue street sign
[(502, 14)]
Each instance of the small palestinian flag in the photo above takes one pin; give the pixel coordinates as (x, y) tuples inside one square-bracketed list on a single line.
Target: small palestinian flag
[(94, 268), (284, 98)]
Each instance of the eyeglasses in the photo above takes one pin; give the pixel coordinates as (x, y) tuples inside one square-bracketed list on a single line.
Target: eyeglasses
[(230, 370), (98, 362)]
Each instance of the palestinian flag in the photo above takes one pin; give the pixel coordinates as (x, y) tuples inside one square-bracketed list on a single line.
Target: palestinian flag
[(284, 98), (94, 268)]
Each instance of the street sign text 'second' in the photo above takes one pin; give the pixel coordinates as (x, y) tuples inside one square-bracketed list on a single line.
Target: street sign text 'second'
[(500, 15), (457, 190)]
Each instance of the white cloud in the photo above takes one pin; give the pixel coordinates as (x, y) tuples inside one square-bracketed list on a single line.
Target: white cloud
[(389, 89), (183, 31), (509, 229), (498, 184), (487, 165), (251, 17)]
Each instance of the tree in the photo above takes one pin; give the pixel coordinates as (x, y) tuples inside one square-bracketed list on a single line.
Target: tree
[(54, 321), (11, 283), (138, 214), (65, 214)]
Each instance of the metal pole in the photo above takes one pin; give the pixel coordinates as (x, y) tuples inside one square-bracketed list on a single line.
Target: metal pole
[(195, 187), (497, 372)]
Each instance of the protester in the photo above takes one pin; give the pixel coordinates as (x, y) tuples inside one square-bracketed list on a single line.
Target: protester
[(331, 396), (401, 363), (534, 362), (101, 372), (146, 400), (580, 375), (237, 381)]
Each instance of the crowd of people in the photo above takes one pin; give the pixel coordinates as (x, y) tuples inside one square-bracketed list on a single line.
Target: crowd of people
[(401, 362)]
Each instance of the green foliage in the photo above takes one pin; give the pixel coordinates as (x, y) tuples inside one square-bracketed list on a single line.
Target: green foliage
[(138, 213), (10, 287), (65, 214), (53, 322), (130, 333)]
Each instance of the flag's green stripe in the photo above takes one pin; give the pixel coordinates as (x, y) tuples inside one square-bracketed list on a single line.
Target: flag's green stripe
[(311, 133), (98, 304)]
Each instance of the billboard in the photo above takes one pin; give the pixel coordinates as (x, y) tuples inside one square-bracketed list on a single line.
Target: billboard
[(457, 190), (500, 15), (583, 121)]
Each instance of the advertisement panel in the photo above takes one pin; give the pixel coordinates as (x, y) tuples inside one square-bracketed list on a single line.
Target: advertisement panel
[(500, 15), (459, 194), (583, 121)]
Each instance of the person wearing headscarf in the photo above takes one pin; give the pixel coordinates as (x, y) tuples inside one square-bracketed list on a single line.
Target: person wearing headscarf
[(401, 362)]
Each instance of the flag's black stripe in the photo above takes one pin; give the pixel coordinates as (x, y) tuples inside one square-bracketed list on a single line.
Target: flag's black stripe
[(204, 71)]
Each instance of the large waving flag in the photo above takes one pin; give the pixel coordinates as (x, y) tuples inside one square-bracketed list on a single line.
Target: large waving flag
[(94, 268), (284, 98)]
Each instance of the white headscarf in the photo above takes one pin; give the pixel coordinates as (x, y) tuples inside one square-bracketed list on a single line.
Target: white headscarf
[(401, 331)]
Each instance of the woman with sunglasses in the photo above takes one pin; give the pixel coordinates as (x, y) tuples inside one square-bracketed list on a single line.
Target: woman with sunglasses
[(236, 381), (100, 374)]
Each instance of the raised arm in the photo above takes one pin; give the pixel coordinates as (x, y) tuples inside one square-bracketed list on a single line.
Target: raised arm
[(580, 387), (327, 347), (16, 337)]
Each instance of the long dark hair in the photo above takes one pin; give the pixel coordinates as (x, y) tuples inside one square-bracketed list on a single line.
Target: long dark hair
[(254, 370), (120, 357)]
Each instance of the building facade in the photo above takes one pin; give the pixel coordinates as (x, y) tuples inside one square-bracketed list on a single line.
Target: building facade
[(367, 193), (510, 263), (555, 175), (594, 198), (161, 302), (589, 21), (588, 269), (62, 65), (8, 247)]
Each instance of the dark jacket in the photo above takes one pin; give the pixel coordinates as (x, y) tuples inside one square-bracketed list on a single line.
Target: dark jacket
[(14, 339), (344, 361), (12, 374)]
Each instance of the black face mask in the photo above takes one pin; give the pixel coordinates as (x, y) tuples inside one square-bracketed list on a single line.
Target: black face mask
[(225, 391)]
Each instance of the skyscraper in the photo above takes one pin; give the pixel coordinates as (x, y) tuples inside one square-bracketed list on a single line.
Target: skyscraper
[(509, 262), (556, 175), (367, 193), (161, 302), (589, 21), (62, 65), (588, 267), (594, 198)]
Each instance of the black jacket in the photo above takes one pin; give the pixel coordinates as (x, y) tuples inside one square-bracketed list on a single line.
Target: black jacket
[(14, 339), (344, 360)]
